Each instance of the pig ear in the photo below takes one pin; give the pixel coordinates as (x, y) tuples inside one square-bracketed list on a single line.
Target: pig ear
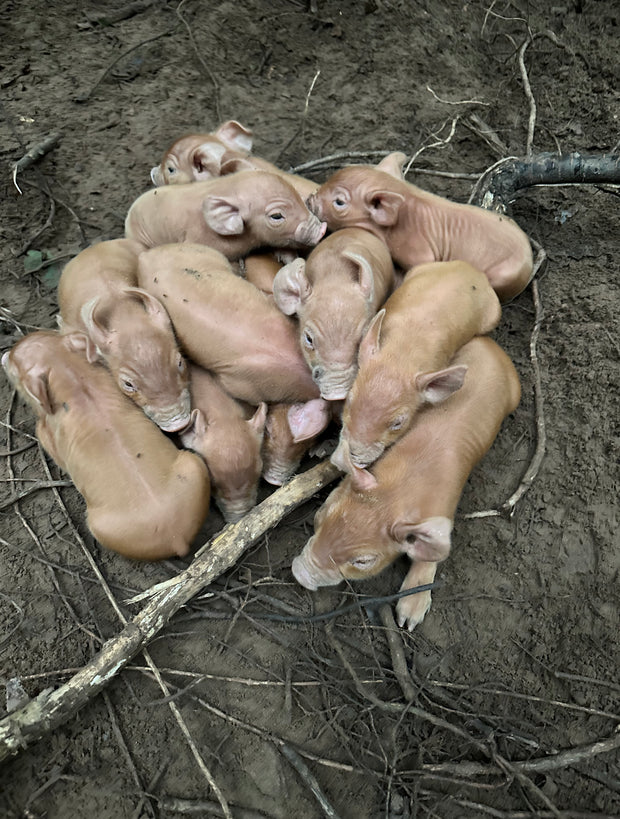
[(36, 385), (383, 206), (98, 334), (207, 160), (435, 387), (257, 421), (427, 541), (365, 275), (152, 306), (362, 479), (291, 287), (222, 216), (196, 428), (80, 342), (235, 135), (309, 419), (370, 344), (393, 164)]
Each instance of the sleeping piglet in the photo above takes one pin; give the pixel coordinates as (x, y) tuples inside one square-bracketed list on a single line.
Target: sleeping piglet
[(420, 227), (229, 439), (145, 498), (129, 328), (416, 487), (234, 214), (335, 293), (404, 358), (226, 325), (290, 431), (196, 157)]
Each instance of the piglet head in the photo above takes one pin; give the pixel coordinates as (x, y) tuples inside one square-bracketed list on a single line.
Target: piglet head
[(234, 465), (358, 196), (134, 336)]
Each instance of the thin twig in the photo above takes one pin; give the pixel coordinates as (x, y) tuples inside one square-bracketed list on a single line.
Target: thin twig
[(395, 644), (530, 97), (209, 73), (308, 777), (34, 154)]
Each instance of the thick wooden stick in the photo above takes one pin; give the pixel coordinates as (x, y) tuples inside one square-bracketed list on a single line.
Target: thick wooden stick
[(52, 708)]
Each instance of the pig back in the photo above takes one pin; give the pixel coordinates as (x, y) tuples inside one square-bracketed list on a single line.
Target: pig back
[(447, 440), (227, 325), (98, 271)]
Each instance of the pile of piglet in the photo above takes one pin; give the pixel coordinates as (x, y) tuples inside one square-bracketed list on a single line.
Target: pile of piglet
[(218, 339)]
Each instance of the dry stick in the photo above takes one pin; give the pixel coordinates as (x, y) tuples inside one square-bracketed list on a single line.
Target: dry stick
[(395, 644), (130, 10), (88, 94), (336, 159), (519, 814), (48, 710), (174, 804), (210, 75), (33, 154), (25, 492), (530, 97), (563, 759), (177, 714), (306, 774)]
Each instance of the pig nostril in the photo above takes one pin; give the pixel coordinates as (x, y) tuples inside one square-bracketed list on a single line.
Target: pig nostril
[(317, 372)]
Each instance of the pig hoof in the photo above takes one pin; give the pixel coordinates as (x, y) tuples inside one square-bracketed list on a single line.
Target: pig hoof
[(410, 611)]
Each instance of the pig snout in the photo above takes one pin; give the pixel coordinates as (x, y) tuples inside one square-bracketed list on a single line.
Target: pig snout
[(333, 384), (310, 576), (172, 418), (233, 510), (310, 231), (5, 360), (157, 178), (364, 455)]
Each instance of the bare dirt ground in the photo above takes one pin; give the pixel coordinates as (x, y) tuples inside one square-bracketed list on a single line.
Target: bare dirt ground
[(517, 661)]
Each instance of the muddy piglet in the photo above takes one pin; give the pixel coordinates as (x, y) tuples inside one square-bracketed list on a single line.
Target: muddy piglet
[(404, 358), (129, 329), (335, 293), (233, 214), (416, 486), (420, 227), (145, 498), (226, 325), (229, 437)]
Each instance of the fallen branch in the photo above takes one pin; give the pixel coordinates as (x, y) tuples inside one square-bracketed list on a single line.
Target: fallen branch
[(498, 185), (34, 154), (52, 708)]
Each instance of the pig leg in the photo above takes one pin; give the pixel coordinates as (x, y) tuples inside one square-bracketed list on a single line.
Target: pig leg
[(410, 610)]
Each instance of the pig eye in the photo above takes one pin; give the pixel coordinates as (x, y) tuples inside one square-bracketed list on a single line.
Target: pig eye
[(276, 217), (127, 385), (339, 203), (364, 561), (181, 364), (170, 169), (398, 423), (308, 340)]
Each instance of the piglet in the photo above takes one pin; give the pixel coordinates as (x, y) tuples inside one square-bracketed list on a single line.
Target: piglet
[(234, 214), (420, 227), (335, 293), (404, 358), (145, 498), (196, 157), (129, 328), (290, 432), (416, 486), (226, 325), (229, 438), (261, 269)]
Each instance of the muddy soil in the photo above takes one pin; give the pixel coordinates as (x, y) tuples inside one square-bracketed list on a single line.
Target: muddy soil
[(517, 659)]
